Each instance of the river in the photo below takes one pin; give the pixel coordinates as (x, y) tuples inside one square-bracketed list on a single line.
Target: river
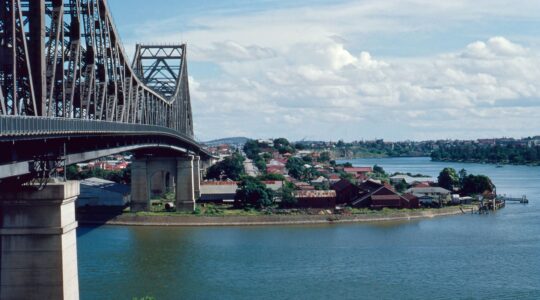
[(494, 256)]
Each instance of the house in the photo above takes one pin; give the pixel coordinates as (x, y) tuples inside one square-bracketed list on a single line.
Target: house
[(275, 169), (427, 195), (277, 162), (377, 196), (414, 202), (346, 192), (316, 199), (409, 179), (320, 181), (355, 171), (218, 192), (100, 192), (333, 178), (303, 186), (225, 191)]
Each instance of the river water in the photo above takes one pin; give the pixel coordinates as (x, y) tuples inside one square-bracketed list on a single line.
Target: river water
[(460, 257)]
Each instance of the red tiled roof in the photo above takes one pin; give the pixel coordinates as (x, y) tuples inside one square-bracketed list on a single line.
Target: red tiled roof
[(358, 170)]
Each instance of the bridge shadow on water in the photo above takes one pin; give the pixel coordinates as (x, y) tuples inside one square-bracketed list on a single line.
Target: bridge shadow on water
[(90, 218)]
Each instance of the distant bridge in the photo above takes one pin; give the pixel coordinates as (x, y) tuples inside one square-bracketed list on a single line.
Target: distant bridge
[(68, 94)]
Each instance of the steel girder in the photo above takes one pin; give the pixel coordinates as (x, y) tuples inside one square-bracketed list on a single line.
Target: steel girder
[(64, 59)]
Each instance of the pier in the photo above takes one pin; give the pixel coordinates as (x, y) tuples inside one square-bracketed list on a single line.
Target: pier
[(522, 200)]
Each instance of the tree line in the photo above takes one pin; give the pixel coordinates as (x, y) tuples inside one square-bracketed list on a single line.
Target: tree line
[(507, 154)]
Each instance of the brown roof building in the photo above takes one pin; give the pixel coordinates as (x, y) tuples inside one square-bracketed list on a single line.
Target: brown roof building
[(316, 199), (346, 192), (377, 196)]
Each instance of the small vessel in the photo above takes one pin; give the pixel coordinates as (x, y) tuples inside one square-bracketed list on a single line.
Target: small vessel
[(498, 166)]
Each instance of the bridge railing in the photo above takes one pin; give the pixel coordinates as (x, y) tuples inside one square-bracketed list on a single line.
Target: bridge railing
[(20, 126)]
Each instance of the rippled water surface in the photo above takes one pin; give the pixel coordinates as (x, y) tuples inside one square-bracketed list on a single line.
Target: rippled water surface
[(459, 257)]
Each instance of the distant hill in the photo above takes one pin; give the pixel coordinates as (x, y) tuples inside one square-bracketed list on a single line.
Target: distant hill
[(233, 141)]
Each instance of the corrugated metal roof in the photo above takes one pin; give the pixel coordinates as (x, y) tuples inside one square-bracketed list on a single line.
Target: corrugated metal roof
[(107, 185), (315, 194)]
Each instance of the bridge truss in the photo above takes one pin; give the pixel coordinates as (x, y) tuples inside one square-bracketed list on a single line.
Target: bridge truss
[(68, 93), (64, 59)]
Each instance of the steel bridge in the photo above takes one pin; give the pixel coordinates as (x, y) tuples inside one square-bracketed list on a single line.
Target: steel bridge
[(68, 92)]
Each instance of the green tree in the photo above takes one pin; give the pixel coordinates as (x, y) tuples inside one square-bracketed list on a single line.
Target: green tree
[(72, 172), (252, 149), (295, 166), (448, 178), (287, 195), (307, 159), (325, 156), (272, 177), (477, 184), (378, 170), (260, 163), (401, 186), (252, 192), (299, 146), (462, 176), (232, 167)]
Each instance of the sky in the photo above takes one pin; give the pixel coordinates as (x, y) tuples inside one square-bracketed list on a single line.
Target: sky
[(351, 70)]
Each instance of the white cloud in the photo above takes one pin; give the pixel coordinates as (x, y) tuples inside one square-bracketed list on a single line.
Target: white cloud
[(304, 72), (440, 94)]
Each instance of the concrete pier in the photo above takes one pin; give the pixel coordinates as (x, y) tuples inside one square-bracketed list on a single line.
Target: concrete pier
[(38, 243), (197, 176), (161, 174), (185, 188)]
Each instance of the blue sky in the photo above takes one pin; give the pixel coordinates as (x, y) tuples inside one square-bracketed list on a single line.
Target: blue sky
[(392, 69)]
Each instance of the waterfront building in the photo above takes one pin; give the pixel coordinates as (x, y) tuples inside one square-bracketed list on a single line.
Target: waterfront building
[(409, 179), (429, 194), (346, 192), (225, 191), (101, 192), (377, 196), (316, 199)]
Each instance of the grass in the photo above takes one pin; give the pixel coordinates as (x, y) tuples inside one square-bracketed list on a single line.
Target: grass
[(212, 210)]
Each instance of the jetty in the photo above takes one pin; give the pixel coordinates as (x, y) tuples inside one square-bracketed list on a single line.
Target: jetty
[(522, 200)]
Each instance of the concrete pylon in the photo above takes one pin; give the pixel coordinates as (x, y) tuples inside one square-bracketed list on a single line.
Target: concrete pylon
[(140, 190), (197, 176), (185, 187), (38, 243)]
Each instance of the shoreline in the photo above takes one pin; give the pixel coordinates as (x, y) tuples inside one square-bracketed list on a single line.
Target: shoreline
[(267, 220), (481, 162)]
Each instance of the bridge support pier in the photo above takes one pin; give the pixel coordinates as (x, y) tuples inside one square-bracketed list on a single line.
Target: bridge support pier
[(186, 173), (38, 258), (185, 187), (197, 176)]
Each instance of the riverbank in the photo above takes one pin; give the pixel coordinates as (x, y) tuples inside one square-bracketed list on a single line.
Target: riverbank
[(129, 219)]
